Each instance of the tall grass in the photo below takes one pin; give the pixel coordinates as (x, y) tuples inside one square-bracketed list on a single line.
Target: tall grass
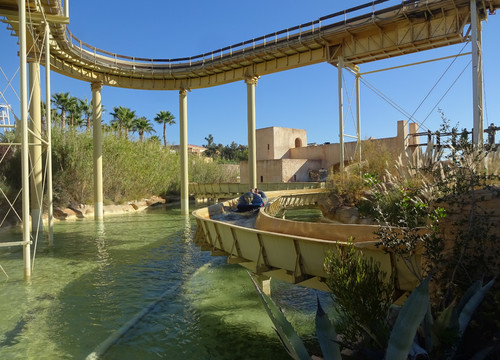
[(131, 170)]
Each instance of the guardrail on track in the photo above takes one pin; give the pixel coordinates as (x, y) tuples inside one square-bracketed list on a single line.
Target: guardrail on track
[(289, 257), (296, 200), (339, 18), (215, 189)]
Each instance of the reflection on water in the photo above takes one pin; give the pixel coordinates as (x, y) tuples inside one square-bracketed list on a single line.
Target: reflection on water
[(99, 275), (302, 214)]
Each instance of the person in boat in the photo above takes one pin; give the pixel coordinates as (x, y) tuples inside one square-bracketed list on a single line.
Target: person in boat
[(251, 200), (262, 195)]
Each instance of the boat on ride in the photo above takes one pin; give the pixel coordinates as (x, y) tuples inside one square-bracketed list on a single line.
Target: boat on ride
[(251, 200)]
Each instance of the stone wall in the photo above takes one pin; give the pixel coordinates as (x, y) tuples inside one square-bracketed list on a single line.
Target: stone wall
[(276, 146), (275, 142), (457, 221)]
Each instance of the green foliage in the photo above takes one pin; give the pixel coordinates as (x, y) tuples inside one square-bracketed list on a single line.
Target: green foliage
[(131, 170), (348, 189), (362, 291), (123, 119), (287, 334), (325, 331), (229, 154), (376, 157), (414, 335), (433, 206), (408, 320), (72, 168), (137, 170), (165, 118), (409, 227), (202, 171), (326, 334), (358, 177)]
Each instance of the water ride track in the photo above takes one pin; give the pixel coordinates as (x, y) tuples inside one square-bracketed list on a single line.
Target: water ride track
[(291, 251), (407, 27)]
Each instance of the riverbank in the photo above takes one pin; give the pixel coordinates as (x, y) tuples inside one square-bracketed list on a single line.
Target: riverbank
[(85, 211)]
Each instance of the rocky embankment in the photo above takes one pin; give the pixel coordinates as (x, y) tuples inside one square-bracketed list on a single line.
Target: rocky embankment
[(87, 211)]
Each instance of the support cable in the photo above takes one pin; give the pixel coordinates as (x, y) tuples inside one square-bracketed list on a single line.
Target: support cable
[(11, 204), (349, 106), (385, 97), (437, 82), (404, 112), (40, 204), (9, 83), (446, 92)]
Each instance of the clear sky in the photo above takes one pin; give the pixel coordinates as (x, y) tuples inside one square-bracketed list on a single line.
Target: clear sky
[(304, 98)]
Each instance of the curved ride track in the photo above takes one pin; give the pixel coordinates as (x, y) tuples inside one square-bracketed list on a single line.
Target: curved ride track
[(353, 36), (291, 251)]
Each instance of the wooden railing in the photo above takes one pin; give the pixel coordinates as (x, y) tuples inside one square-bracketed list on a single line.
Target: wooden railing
[(224, 190)]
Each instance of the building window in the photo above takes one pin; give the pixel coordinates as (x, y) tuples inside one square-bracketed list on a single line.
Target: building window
[(261, 178), (267, 146), (298, 142), (295, 178)]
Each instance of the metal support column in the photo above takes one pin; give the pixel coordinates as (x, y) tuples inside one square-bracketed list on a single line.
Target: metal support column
[(477, 76), (48, 123), (358, 115), (97, 144), (340, 66), (24, 141), (251, 82), (35, 140), (184, 151)]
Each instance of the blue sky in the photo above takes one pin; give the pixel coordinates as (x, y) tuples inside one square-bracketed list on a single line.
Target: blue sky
[(304, 98)]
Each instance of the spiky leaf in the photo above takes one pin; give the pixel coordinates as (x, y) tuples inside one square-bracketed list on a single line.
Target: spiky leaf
[(287, 334), (326, 334), (407, 323), (471, 305), (445, 328)]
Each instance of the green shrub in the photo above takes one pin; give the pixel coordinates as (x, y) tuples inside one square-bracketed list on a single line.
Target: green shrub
[(363, 293), (131, 170)]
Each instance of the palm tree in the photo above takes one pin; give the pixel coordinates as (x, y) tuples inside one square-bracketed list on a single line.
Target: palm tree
[(43, 113), (61, 101), (165, 117), (86, 110), (74, 111), (143, 125), (124, 117)]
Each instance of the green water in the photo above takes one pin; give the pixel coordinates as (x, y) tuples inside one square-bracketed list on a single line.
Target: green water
[(302, 214), (98, 276)]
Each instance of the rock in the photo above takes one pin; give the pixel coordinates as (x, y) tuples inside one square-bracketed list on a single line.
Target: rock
[(60, 214), (154, 199), (347, 215)]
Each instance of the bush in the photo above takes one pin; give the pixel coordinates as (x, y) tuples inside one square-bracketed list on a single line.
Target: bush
[(362, 292), (131, 170)]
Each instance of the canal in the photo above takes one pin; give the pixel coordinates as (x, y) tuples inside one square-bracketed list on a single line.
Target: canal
[(98, 276)]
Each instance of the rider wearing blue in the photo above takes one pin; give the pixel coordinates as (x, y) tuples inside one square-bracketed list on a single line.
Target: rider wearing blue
[(251, 200)]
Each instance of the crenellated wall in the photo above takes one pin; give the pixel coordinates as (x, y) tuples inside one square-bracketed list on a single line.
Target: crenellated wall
[(280, 160)]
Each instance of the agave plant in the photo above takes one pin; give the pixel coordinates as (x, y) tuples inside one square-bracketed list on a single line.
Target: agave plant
[(290, 340), (403, 343)]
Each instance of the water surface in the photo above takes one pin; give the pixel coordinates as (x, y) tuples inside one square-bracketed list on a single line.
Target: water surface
[(98, 276)]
